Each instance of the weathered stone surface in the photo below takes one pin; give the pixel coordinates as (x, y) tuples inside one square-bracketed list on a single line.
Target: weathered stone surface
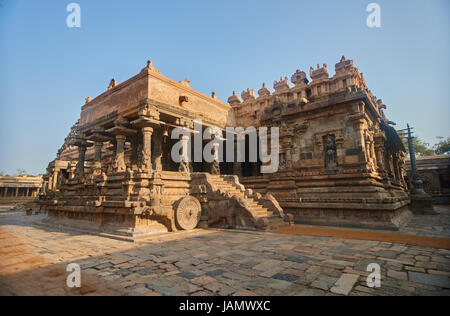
[(345, 284), (31, 258), (285, 277), (397, 275), (429, 279), (324, 282)]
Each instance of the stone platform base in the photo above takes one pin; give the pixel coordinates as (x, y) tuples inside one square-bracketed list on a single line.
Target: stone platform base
[(422, 204), (16, 200), (114, 231), (384, 220), (343, 200)]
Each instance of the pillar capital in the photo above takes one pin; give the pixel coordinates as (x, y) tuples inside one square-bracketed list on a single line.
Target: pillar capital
[(147, 129), (121, 138)]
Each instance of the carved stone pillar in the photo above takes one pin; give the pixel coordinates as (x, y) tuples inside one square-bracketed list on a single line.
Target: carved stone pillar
[(370, 158), (146, 155), (289, 157), (215, 166), (237, 166), (374, 156), (79, 169), (380, 154), (99, 136), (380, 158), (55, 179), (134, 160), (184, 164), (148, 120), (390, 163), (119, 163), (401, 169), (97, 156), (157, 141), (395, 167), (121, 130)]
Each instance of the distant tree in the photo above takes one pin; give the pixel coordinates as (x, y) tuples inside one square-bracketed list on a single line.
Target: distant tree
[(21, 172), (421, 147), (2, 173), (443, 147)]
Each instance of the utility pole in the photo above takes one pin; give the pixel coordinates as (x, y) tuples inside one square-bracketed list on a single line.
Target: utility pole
[(421, 202), (416, 181)]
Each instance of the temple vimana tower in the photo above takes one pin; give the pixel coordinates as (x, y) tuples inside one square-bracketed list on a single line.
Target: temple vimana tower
[(340, 162)]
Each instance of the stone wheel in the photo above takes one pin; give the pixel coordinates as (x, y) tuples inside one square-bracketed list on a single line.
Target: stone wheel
[(188, 212)]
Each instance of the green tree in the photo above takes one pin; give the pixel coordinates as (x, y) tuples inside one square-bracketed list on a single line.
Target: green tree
[(443, 147), (421, 147)]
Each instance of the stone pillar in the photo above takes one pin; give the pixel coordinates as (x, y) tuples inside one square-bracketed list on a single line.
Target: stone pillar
[(237, 166), (134, 161), (55, 178), (185, 146), (379, 152), (184, 164), (390, 166), (79, 169), (119, 163), (289, 157), (157, 141), (146, 155), (17, 192), (27, 192), (395, 167), (98, 151), (97, 167), (215, 166)]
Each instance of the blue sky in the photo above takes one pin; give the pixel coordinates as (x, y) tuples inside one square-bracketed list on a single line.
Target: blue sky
[(47, 69)]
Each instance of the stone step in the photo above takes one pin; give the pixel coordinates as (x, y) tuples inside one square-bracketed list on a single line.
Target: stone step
[(259, 211)]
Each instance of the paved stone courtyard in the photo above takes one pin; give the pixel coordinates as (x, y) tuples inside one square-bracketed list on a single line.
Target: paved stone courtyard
[(33, 261)]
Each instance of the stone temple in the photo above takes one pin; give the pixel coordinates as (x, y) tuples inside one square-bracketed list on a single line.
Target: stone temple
[(340, 163)]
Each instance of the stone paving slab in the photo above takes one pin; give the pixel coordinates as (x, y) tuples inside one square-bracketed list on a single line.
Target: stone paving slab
[(211, 262)]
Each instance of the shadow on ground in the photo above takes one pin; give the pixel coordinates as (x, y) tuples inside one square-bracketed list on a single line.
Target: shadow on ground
[(33, 261)]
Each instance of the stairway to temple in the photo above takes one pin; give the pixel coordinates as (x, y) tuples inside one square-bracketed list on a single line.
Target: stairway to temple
[(274, 220)]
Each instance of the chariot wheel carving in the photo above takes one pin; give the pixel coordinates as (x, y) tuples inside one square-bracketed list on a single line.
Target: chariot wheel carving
[(187, 213)]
